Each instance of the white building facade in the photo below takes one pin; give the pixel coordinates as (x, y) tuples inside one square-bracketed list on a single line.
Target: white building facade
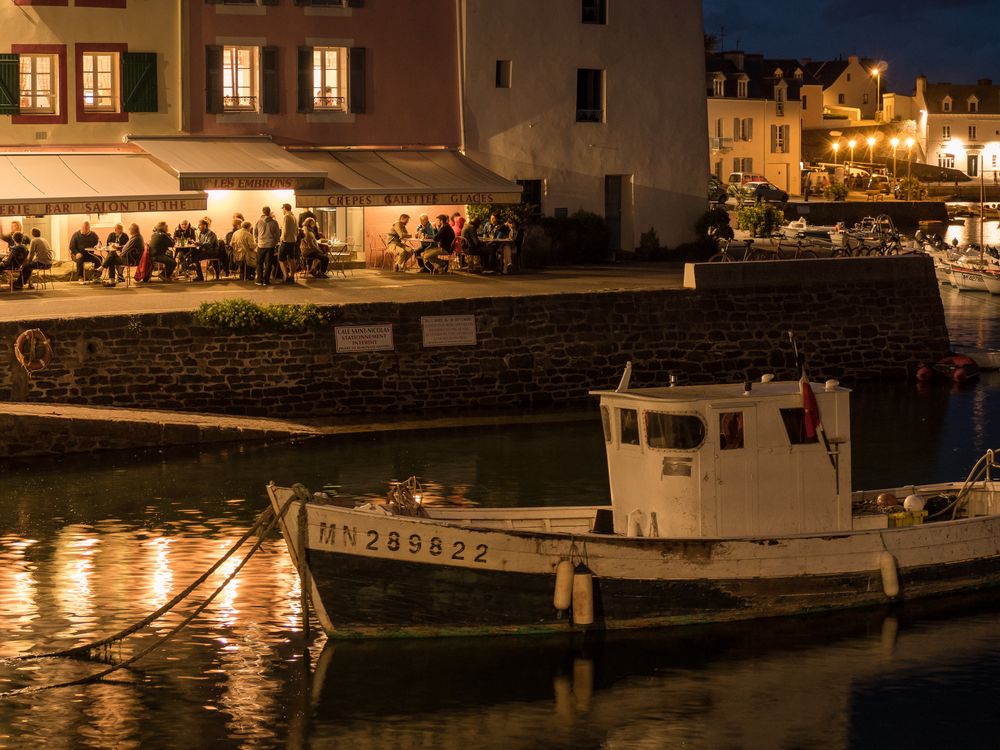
[(958, 126), (592, 104)]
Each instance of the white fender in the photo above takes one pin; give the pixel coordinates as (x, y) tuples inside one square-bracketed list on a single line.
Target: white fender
[(563, 595), (635, 519), (583, 596), (890, 574)]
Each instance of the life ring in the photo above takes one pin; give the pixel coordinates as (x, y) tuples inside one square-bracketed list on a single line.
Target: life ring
[(33, 350)]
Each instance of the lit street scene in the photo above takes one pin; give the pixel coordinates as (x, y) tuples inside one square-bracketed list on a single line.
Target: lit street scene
[(499, 374)]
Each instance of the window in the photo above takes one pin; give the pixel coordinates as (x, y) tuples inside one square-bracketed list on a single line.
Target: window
[(684, 432), (848, 77), (794, 420), (239, 78), (731, 430), (945, 132), (100, 81), (946, 104), (589, 95), (805, 103), (840, 98), (329, 79), (779, 101), (946, 161), (38, 84), (973, 105), (741, 89), (746, 129), (595, 11), (779, 139), (531, 196), (972, 132), (503, 74), (629, 423), (718, 86)]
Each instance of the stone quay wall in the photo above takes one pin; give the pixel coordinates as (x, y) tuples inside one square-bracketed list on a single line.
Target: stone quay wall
[(856, 319)]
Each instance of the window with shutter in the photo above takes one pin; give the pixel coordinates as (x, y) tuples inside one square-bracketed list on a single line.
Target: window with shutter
[(271, 103), (240, 79), (304, 98), (213, 79), (356, 77), (138, 82), (9, 84), (39, 93), (329, 79)]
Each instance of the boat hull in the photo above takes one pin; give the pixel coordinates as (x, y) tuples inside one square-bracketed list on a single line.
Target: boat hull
[(375, 575)]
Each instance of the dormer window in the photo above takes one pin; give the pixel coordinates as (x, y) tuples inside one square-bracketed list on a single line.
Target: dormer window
[(718, 86), (779, 73), (741, 88), (946, 104), (973, 104), (798, 74)]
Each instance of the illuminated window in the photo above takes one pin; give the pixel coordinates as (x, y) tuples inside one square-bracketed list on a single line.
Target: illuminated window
[(741, 89), (946, 161), (240, 67), (100, 81), (38, 84), (329, 78), (718, 87)]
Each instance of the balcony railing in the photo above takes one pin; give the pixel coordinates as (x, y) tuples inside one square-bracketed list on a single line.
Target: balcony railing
[(335, 103), (240, 103)]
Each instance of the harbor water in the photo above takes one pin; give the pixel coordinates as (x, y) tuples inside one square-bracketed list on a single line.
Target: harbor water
[(91, 544)]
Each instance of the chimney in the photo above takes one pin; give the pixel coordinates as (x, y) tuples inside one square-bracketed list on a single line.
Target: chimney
[(921, 91), (852, 59), (984, 82)]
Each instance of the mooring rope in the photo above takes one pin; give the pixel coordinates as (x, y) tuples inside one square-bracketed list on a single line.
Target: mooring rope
[(274, 519)]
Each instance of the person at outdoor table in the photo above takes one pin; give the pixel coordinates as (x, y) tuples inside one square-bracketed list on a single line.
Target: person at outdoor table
[(425, 231), (39, 256), (16, 255), (491, 229), (244, 249), (289, 242), (457, 223), (15, 228), (185, 236), (470, 233), (207, 248), (444, 238), (81, 245), (307, 214), (398, 234), (118, 238), (267, 233), (315, 256), (159, 250), (507, 251), (129, 253)]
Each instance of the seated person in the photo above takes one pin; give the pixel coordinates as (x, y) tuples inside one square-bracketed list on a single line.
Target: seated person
[(15, 228), (491, 228), (207, 248), (129, 254), (315, 256), (159, 250), (39, 256), (81, 246), (398, 234), (512, 233), (444, 239), (16, 255), (425, 231), (470, 233), (185, 236), (117, 238)]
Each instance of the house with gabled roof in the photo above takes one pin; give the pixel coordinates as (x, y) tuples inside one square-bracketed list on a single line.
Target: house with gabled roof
[(958, 125), (849, 88), (757, 108)]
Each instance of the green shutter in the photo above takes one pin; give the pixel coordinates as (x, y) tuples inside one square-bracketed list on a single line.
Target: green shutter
[(10, 84), (305, 93), (139, 82), (356, 79), (213, 79), (269, 64)]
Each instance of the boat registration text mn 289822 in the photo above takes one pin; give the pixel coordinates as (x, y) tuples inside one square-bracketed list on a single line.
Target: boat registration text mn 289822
[(416, 545)]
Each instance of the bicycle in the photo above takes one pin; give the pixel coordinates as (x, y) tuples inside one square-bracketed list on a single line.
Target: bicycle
[(725, 256)]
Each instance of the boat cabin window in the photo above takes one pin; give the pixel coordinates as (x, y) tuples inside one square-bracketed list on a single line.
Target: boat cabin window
[(794, 420), (683, 432), (730, 430), (606, 423), (629, 423)]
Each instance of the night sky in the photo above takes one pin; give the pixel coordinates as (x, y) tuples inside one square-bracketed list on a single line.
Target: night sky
[(946, 40)]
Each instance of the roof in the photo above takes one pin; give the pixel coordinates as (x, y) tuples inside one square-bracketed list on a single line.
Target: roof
[(987, 94), (827, 72), (760, 75)]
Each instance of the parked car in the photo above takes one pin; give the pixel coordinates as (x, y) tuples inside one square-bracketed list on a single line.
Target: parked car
[(716, 190), (880, 182), (762, 190), (742, 178)]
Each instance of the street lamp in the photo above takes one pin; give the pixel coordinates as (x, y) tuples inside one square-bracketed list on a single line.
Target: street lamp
[(836, 148), (878, 90), (909, 161), (871, 149), (851, 144)]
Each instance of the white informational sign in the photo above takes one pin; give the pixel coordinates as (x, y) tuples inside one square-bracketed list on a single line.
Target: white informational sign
[(377, 338), (449, 330)]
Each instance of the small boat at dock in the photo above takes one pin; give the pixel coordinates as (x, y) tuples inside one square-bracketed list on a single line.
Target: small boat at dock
[(728, 502)]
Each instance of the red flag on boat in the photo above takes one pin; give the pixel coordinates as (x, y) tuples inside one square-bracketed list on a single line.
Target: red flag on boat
[(809, 406)]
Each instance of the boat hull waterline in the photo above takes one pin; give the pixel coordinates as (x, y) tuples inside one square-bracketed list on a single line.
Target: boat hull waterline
[(377, 575)]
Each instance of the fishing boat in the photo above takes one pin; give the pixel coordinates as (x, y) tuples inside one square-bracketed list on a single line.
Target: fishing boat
[(801, 229), (728, 502)]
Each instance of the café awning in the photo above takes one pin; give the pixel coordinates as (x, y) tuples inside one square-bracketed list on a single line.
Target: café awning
[(231, 163), (36, 184), (403, 178)]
